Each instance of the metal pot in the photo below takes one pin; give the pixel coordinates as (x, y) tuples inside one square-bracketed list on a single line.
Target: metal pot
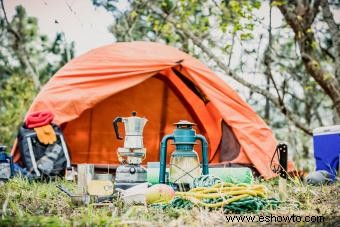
[(76, 199), (84, 199)]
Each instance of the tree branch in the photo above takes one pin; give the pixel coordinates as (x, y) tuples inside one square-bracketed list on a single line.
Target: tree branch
[(314, 10), (267, 61), (306, 40)]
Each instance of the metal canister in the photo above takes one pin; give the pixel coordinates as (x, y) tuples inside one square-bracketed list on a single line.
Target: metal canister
[(85, 173)]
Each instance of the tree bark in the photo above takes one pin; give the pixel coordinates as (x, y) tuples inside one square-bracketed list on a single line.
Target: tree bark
[(335, 35), (267, 62), (300, 17)]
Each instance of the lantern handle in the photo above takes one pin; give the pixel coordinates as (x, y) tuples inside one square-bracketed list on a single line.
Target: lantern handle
[(205, 161), (162, 158)]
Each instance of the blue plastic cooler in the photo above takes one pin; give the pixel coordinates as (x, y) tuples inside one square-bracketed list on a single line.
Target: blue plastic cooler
[(326, 142)]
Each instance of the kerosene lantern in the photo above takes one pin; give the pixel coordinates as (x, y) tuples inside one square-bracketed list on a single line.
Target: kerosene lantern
[(184, 162)]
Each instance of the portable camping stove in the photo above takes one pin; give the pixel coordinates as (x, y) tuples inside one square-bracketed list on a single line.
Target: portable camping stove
[(130, 173)]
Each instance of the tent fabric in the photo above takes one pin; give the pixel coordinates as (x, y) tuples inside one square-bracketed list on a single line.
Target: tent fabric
[(114, 80)]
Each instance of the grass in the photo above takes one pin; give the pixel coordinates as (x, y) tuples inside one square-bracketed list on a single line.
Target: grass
[(39, 204)]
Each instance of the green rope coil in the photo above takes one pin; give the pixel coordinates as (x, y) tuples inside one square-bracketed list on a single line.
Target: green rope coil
[(248, 204), (210, 192)]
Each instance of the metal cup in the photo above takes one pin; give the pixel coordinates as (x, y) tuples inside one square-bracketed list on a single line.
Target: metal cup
[(85, 175)]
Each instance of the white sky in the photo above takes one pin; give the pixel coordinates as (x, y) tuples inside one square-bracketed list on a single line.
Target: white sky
[(88, 26), (78, 19)]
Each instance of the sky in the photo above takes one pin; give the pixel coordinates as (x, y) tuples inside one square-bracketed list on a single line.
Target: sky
[(87, 25), (78, 19)]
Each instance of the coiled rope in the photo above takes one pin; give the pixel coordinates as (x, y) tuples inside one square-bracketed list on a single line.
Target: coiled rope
[(230, 197)]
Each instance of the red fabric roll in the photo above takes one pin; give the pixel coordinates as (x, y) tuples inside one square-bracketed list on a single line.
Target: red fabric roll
[(38, 119)]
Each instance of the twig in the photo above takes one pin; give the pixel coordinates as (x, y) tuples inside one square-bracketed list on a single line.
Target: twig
[(232, 48)]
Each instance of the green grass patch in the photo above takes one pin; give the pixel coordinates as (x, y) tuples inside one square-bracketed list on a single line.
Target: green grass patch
[(24, 203)]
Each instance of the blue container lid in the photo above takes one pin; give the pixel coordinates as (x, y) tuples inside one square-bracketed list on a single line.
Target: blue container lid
[(335, 129)]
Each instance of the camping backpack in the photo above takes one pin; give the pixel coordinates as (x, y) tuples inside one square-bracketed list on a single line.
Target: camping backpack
[(43, 160)]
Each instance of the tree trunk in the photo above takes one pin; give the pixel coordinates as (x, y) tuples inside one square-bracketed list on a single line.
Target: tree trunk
[(335, 35), (300, 18)]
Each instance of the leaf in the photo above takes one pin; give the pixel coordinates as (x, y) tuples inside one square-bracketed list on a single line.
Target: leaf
[(278, 3), (327, 76), (133, 14), (256, 4), (309, 30), (314, 45), (227, 47), (246, 36), (249, 26)]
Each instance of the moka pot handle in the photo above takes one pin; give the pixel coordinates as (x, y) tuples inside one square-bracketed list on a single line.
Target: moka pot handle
[(115, 125)]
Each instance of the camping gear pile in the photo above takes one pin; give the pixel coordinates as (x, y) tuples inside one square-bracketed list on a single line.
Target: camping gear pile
[(184, 172), (89, 91)]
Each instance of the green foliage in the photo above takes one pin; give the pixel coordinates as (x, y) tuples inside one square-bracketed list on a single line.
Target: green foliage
[(148, 20), (15, 96), (22, 45), (278, 3)]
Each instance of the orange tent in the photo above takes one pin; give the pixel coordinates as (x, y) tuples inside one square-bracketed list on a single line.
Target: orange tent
[(162, 84)]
